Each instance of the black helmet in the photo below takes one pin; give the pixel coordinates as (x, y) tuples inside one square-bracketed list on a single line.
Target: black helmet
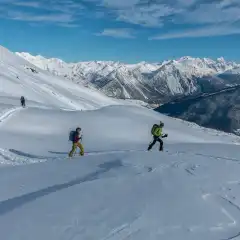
[(78, 129), (161, 124)]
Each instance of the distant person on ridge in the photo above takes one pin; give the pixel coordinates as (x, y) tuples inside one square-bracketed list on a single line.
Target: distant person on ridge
[(23, 102), (75, 137), (157, 135)]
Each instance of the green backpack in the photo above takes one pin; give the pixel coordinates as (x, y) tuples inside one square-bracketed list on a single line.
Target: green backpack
[(155, 130)]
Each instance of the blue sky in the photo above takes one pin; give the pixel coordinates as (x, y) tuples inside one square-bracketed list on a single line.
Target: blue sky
[(122, 30)]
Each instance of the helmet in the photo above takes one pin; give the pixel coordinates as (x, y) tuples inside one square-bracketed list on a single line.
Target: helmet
[(78, 129), (161, 124)]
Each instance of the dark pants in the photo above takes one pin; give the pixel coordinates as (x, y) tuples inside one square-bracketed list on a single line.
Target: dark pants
[(156, 139), (23, 103)]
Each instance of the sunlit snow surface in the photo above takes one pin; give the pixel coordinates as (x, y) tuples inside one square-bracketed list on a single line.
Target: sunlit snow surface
[(118, 190)]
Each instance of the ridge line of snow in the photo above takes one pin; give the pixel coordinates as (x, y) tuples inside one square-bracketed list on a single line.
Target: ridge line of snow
[(135, 81)]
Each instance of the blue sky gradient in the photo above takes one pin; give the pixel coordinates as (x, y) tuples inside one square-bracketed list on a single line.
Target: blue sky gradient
[(122, 30)]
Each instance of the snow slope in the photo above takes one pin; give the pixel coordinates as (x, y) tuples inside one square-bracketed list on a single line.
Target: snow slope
[(111, 128), (118, 190), (233, 71), (19, 77)]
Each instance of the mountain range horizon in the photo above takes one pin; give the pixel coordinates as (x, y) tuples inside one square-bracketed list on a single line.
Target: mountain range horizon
[(183, 57)]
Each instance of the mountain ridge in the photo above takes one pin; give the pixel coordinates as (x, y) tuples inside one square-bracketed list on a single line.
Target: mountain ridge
[(149, 82), (20, 77), (218, 110)]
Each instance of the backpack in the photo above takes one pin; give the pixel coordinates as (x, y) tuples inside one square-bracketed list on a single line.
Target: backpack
[(72, 135), (154, 128)]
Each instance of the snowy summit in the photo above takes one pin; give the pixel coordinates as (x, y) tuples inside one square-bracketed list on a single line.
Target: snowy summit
[(144, 81)]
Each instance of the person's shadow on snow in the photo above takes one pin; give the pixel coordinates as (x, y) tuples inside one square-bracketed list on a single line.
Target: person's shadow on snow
[(16, 202)]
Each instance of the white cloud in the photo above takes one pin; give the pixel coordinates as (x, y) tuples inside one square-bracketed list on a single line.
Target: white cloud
[(211, 13), (208, 31), (68, 25), (157, 13), (7, 1), (146, 13), (54, 17), (119, 4), (151, 17), (63, 13), (27, 4), (117, 33), (185, 2)]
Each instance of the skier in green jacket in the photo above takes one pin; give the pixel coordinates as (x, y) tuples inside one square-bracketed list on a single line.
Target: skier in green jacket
[(157, 135)]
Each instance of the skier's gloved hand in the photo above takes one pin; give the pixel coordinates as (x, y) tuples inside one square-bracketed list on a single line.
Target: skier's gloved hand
[(164, 136)]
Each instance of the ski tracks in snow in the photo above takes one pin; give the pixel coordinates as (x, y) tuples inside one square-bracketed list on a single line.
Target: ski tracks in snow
[(9, 113), (229, 209), (6, 157), (10, 158)]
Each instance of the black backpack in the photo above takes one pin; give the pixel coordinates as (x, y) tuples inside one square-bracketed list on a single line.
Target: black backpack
[(72, 136)]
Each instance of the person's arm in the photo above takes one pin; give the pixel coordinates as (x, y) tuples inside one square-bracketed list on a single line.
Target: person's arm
[(77, 138)]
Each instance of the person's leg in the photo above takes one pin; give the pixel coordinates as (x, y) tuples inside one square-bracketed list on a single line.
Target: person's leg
[(152, 144), (74, 146), (81, 148), (161, 144)]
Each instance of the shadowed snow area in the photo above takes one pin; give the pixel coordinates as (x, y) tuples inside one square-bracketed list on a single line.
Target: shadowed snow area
[(118, 190)]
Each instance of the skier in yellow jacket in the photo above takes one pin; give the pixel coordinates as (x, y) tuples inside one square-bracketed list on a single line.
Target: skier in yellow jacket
[(157, 135)]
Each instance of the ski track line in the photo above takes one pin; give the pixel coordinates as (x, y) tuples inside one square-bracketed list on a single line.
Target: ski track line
[(206, 155), (175, 164), (229, 209), (6, 115), (7, 158), (233, 237), (124, 231)]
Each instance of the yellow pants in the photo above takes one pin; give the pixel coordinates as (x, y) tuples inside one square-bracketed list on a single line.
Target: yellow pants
[(74, 148)]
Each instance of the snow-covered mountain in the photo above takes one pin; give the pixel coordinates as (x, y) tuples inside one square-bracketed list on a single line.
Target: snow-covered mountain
[(117, 190), (219, 110), (235, 70), (20, 77), (231, 76), (144, 81)]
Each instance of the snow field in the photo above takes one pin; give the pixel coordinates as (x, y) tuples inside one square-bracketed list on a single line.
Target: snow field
[(118, 190)]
